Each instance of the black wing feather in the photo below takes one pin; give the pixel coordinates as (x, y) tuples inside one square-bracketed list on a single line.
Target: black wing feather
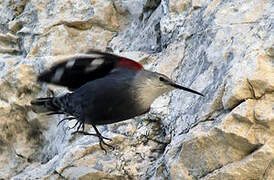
[(78, 70)]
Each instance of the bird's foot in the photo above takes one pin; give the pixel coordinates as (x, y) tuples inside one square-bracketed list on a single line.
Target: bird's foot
[(101, 139), (65, 119)]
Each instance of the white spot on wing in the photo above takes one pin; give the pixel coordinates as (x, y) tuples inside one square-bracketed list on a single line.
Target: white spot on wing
[(57, 75), (90, 68), (69, 64), (97, 62), (94, 65)]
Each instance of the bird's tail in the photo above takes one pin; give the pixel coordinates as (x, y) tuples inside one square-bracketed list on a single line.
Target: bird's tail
[(51, 105)]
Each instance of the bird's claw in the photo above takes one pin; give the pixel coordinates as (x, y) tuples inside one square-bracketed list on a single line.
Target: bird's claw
[(101, 139)]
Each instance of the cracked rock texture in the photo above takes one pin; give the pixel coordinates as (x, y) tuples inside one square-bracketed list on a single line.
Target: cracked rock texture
[(224, 49)]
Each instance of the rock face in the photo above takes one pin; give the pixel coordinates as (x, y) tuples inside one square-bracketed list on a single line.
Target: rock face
[(223, 49)]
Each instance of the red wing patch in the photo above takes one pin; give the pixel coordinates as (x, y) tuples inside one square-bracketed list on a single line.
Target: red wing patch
[(128, 63)]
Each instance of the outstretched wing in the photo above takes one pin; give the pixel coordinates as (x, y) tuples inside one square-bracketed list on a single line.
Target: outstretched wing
[(80, 69)]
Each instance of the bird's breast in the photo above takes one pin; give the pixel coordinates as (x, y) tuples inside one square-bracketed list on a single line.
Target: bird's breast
[(111, 102)]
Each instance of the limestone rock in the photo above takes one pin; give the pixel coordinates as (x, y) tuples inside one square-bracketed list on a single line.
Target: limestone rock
[(223, 49), (21, 136), (178, 6), (67, 40)]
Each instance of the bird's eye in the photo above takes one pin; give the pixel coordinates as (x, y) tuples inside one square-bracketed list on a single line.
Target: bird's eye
[(161, 79)]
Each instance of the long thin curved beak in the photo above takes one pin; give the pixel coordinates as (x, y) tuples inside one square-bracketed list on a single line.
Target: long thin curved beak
[(184, 88)]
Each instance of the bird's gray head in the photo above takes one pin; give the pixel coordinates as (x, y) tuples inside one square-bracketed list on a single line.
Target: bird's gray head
[(152, 85)]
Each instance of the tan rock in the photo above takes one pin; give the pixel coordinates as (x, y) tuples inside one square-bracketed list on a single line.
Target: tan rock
[(196, 155), (79, 14), (21, 134), (262, 81), (9, 43), (263, 112), (64, 40), (242, 124), (240, 143), (8, 37), (106, 16), (170, 61), (253, 86), (270, 51), (100, 175), (178, 6), (15, 26), (258, 165), (239, 93), (236, 13)]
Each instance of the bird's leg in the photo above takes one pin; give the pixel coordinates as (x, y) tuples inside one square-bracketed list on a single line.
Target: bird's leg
[(101, 139), (68, 118), (81, 124), (76, 125), (99, 135)]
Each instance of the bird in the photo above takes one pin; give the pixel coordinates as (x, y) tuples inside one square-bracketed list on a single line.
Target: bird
[(104, 88)]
